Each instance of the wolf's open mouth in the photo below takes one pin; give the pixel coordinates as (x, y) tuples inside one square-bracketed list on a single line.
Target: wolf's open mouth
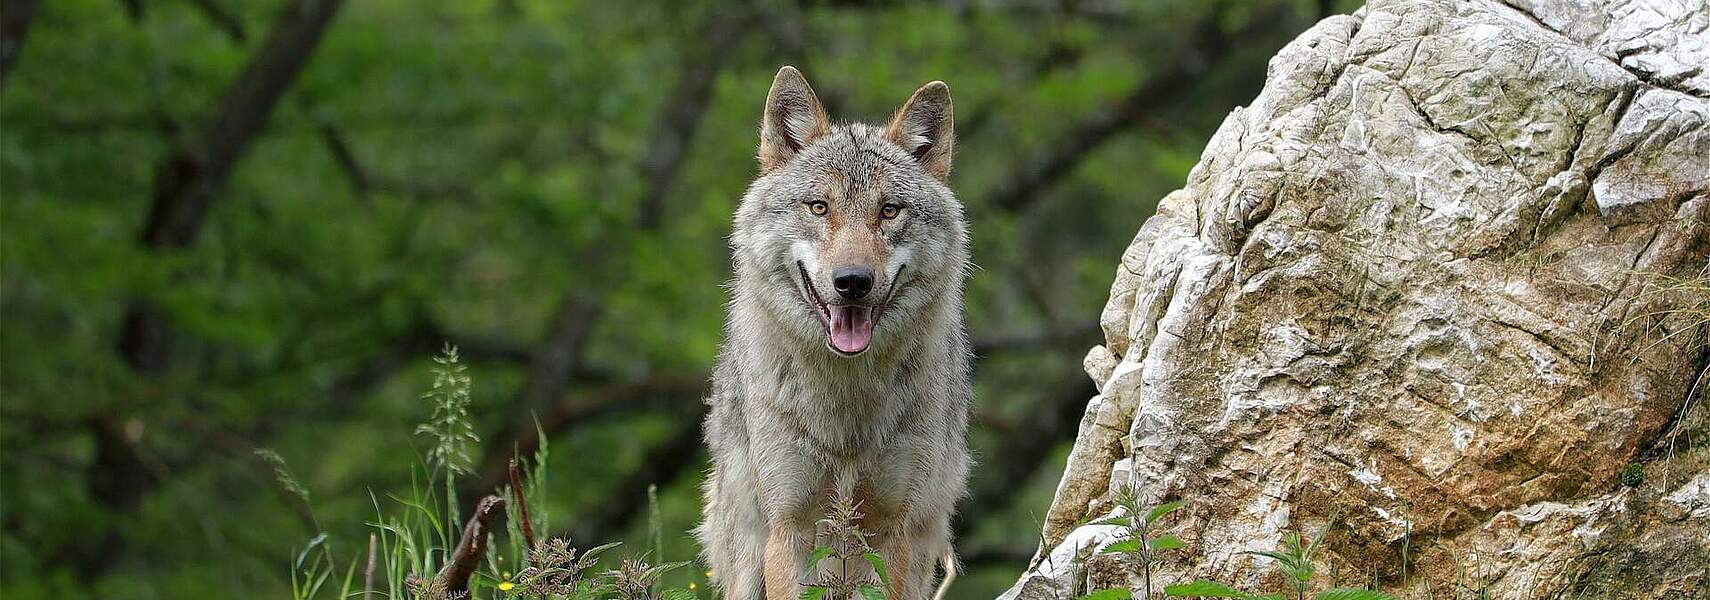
[(848, 327)]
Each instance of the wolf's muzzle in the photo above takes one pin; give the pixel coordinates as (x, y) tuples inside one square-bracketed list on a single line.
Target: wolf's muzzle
[(852, 283)]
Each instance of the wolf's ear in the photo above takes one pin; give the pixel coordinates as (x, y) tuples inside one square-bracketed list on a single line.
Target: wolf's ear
[(924, 126), (793, 119)]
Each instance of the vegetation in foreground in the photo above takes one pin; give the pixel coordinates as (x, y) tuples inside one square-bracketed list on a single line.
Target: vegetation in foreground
[(422, 547)]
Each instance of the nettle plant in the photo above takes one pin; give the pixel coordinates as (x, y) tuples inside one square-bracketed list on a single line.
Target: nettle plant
[(1138, 548), (847, 544), (1141, 550)]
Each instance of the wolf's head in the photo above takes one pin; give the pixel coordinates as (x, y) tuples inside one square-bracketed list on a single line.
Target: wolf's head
[(850, 226)]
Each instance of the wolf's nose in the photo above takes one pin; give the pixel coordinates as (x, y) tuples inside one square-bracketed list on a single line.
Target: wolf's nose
[(852, 282)]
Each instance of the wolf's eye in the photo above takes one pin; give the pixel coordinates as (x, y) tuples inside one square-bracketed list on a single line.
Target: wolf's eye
[(818, 207), (890, 211)]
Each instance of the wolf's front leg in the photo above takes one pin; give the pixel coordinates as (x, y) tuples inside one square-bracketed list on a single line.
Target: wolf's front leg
[(912, 557), (783, 563), (899, 565)]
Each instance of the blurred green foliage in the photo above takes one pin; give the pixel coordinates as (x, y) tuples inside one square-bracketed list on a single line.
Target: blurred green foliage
[(461, 171)]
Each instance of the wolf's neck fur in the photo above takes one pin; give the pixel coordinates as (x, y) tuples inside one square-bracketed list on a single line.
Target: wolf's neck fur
[(843, 404)]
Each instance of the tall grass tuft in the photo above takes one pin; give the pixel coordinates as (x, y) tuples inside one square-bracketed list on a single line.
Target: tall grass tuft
[(416, 530), (452, 434)]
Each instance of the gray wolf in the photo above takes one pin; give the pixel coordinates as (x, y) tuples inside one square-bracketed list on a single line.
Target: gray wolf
[(845, 368)]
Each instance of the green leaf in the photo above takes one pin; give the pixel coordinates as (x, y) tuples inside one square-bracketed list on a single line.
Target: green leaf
[(589, 590), (1167, 542), (678, 593), (1286, 562), (1109, 594), (878, 563), (656, 571), (869, 592), (1122, 547), (812, 592), (819, 554), (1312, 545), (1204, 588), (1352, 594), (1159, 511), (601, 549), (313, 543), (1118, 521)]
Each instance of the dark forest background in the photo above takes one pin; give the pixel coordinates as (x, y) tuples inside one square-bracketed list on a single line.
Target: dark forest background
[(228, 225)]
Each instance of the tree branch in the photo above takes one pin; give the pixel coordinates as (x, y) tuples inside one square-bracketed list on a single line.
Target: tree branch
[(663, 464), (573, 408), (345, 158), (222, 18), (549, 369), (331, 135), (1056, 56), (423, 340), (185, 183), (1045, 170), (133, 10), (681, 116), (466, 559), (15, 19)]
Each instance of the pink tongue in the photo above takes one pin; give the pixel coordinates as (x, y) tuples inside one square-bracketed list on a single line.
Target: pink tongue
[(851, 328)]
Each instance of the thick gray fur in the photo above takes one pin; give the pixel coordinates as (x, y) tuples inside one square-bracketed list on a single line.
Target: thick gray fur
[(793, 424)]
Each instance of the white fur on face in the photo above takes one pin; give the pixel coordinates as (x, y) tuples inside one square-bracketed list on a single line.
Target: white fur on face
[(805, 252), (900, 258)]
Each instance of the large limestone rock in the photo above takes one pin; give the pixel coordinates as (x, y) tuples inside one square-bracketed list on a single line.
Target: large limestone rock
[(1420, 293)]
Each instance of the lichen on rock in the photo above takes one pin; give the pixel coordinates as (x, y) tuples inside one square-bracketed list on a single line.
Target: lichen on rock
[(1411, 294)]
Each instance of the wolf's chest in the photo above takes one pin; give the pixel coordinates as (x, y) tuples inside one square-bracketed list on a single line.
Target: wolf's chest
[(840, 423), (848, 444), (877, 484)]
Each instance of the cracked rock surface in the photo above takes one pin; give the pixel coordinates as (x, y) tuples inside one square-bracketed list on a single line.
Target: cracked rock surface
[(1423, 292)]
